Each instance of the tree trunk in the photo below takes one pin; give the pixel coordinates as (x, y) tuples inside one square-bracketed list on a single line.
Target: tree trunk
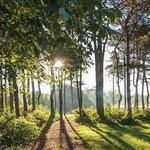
[(125, 82), (24, 93), (80, 88), (1, 90), (10, 95), (33, 94), (147, 88), (128, 78), (136, 89), (78, 94), (118, 80), (113, 90), (16, 98), (60, 96), (143, 79), (71, 86), (5, 83), (28, 90), (99, 66), (64, 95), (52, 86), (39, 89)]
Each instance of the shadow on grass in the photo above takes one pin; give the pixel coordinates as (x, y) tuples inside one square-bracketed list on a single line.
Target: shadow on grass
[(39, 143), (63, 131), (119, 131)]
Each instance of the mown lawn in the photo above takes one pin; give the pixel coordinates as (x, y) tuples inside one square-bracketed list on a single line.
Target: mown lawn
[(100, 136)]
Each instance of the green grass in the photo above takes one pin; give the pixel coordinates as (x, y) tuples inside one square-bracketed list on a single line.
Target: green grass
[(113, 136)]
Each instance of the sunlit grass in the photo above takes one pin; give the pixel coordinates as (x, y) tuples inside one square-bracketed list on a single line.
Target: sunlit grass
[(114, 136)]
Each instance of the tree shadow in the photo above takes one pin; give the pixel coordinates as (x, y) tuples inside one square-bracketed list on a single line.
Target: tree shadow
[(63, 131), (135, 132), (39, 143), (85, 120)]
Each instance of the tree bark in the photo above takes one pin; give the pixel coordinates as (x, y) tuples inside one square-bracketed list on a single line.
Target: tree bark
[(71, 86), (39, 94), (1, 90), (33, 94), (113, 90), (24, 93), (99, 66), (125, 84), (60, 96), (28, 90), (128, 77), (16, 97), (136, 89)]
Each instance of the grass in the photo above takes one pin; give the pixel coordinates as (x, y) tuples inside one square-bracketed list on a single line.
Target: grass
[(113, 136)]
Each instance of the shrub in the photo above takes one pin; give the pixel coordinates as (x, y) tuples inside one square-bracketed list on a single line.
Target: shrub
[(41, 115), (18, 132)]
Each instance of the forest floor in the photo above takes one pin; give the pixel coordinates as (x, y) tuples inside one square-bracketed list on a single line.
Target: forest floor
[(58, 135), (68, 134)]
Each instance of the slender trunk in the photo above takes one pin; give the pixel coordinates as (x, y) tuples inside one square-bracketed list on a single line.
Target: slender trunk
[(113, 90), (24, 93), (71, 86), (118, 80), (55, 99), (136, 89), (128, 78), (5, 83), (147, 88), (33, 94), (64, 96), (1, 90), (28, 90), (52, 93), (16, 97), (125, 82), (143, 79), (80, 88), (60, 96), (78, 93), (39, 89), (10, 95)]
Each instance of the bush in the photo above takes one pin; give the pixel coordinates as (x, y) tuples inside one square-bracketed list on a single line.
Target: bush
[(142, 115), (41, 115), (19, 132)]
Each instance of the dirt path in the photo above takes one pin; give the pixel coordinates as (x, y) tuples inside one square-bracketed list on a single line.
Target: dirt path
[(59, 135)]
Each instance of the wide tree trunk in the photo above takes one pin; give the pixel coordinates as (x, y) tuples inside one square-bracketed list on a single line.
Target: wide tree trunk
[(99, 68)]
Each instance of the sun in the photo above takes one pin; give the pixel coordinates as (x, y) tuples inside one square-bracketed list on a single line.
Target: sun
[(58, 64)]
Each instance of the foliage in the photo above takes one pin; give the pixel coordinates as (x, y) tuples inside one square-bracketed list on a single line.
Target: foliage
[(21, 131)]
